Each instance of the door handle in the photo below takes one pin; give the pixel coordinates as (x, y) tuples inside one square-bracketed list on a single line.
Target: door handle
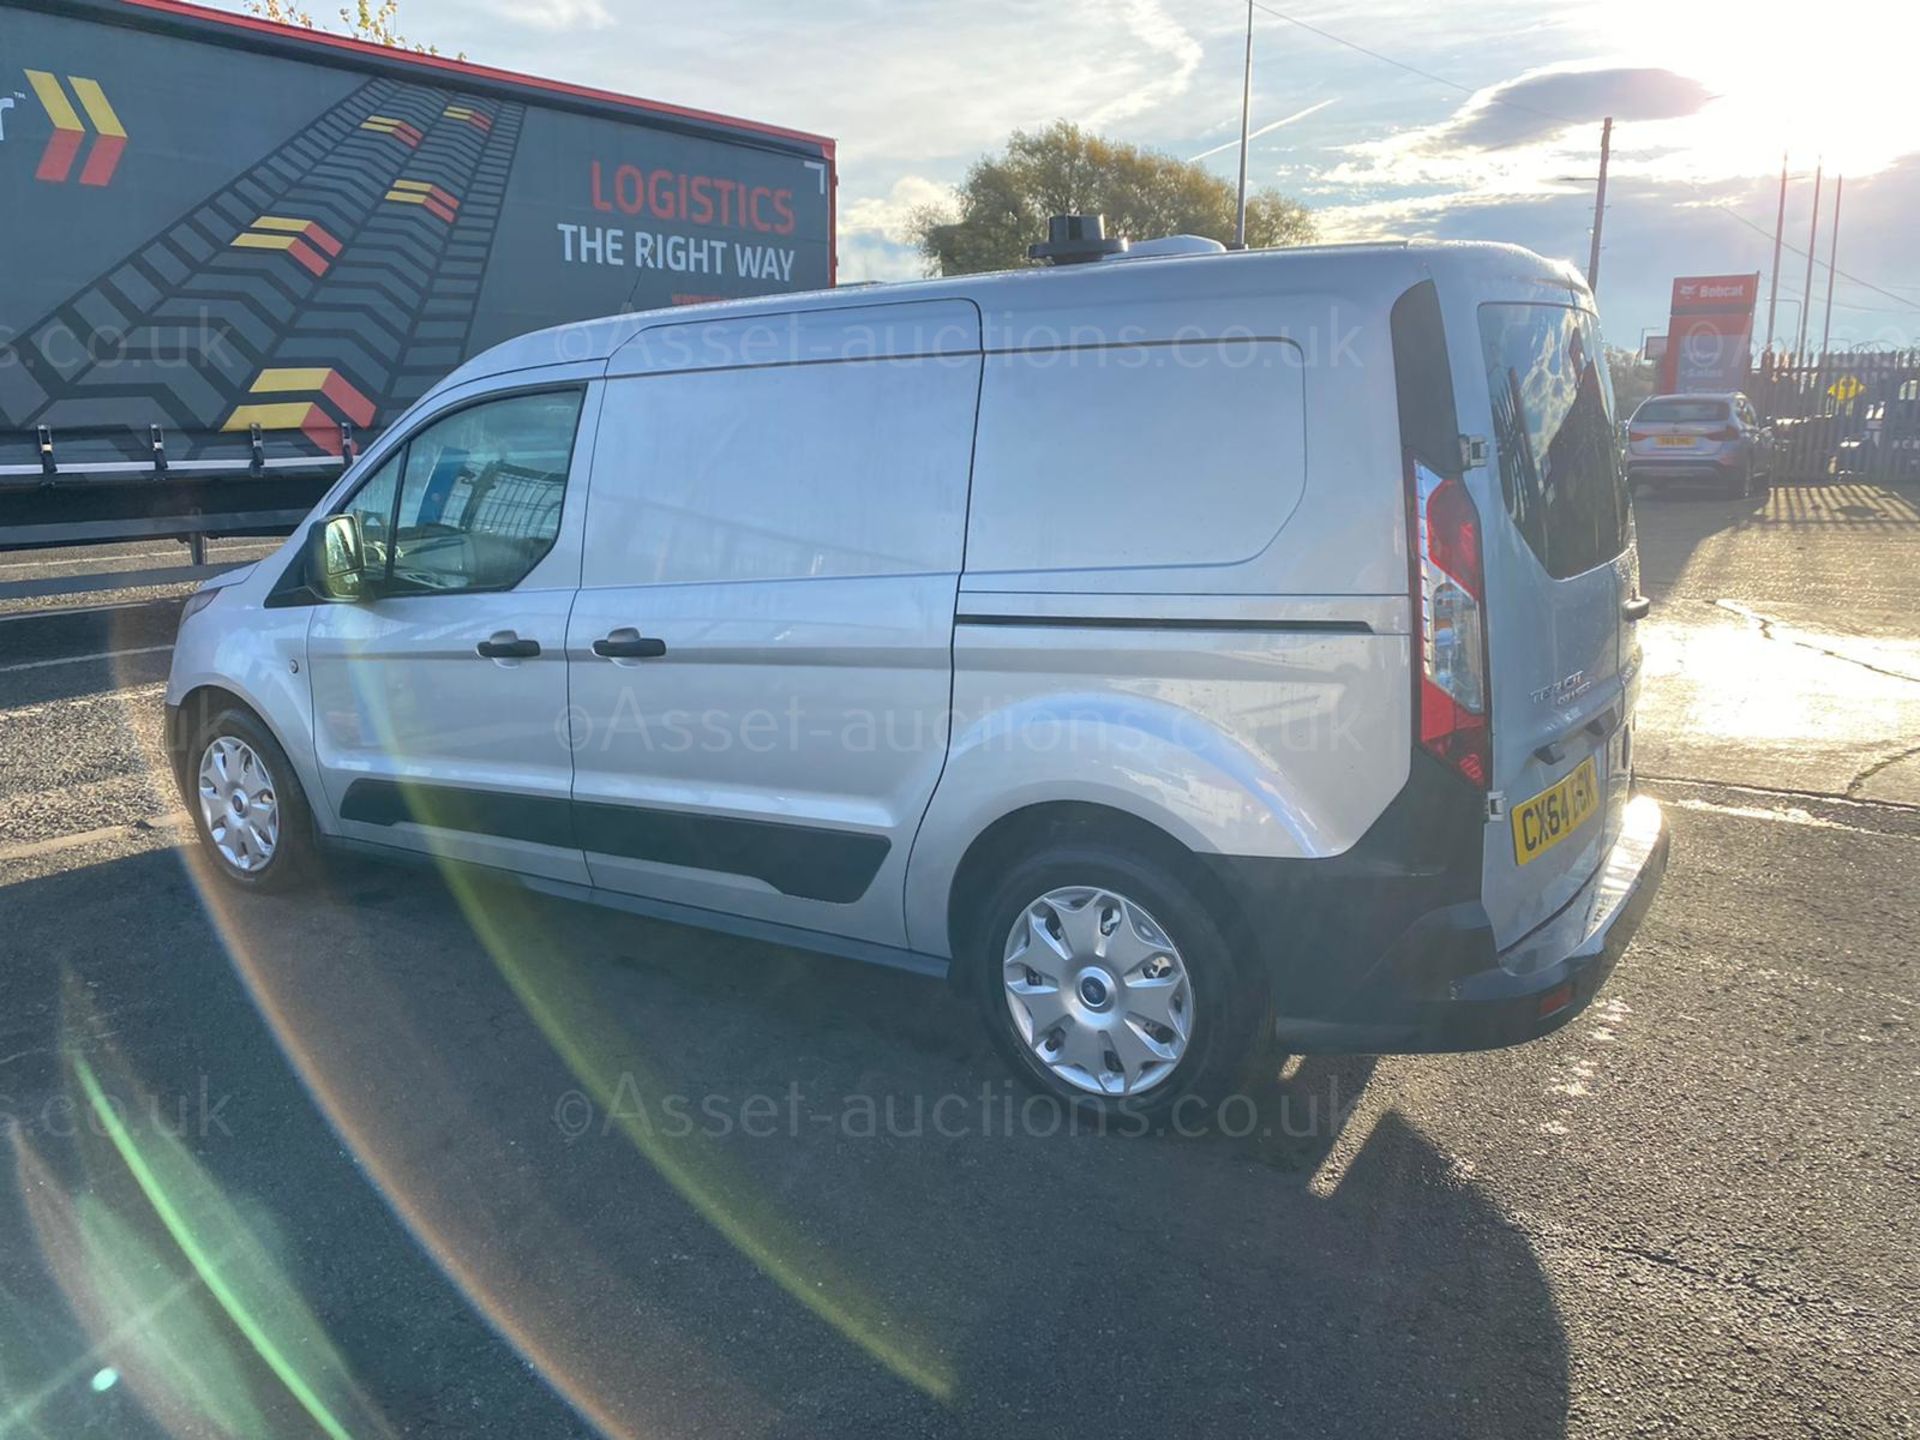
[(1637, 609), (505, 645), (627, 643)]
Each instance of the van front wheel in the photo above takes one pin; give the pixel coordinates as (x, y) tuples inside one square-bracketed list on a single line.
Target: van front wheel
[(1105, 980), (247, 804)]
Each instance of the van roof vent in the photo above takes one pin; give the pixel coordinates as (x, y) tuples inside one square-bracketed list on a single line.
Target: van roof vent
[(1075, 239), (1175, 245)]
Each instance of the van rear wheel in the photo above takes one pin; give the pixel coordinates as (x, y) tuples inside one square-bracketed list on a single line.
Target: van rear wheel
[(1105, 980)]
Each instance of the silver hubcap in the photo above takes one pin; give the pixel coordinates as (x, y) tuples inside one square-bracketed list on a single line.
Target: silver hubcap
[(238, 804), (1098, 991)]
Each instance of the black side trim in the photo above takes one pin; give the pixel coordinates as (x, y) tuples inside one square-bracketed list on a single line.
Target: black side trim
[(800, 860), (804, 860), (915, 962), (1133, 622), (532, 818)]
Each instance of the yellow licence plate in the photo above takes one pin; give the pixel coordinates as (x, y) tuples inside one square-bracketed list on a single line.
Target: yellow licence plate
[(1685, 441), (1555, 813)]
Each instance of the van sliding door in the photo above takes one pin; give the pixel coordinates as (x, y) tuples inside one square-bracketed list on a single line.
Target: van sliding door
[(760, 657)]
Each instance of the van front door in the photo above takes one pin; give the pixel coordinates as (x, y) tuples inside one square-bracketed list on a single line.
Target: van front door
[(440, 703), (761, 653)]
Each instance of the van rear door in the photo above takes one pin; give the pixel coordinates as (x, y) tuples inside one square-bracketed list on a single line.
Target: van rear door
[(1559, 567)]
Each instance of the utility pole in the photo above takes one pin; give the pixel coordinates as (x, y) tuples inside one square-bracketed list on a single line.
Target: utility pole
[(1813, 237), (1779, 234), (1599, 205), (1833, 257), (1246, 107)]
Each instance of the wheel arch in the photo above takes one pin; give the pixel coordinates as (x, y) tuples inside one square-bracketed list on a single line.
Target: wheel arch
[(1019, 833), (201, 703)]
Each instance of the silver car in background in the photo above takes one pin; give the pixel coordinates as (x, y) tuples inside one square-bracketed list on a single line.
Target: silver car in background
[(1714, 440)]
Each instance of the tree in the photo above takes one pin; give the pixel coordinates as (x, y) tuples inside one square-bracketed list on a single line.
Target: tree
[(375, 21), (1005, 201), (1634, 379)]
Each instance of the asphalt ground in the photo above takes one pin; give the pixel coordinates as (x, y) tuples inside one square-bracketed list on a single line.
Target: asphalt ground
[(417, 1156)]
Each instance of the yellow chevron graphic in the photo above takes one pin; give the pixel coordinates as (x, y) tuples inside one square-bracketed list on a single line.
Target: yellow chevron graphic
[(93, 100), (290, 415)]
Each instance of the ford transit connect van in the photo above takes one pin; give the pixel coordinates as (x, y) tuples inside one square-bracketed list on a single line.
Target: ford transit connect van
[(1181, 654)]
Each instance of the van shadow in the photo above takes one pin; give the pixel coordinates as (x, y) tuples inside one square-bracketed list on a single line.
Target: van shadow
[(852, 1219)]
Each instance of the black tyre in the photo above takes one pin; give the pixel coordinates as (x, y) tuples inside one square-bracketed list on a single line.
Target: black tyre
[(1105, 979), (246, 802)]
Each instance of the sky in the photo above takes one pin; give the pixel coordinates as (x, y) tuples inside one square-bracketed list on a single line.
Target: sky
[(1468, 121)]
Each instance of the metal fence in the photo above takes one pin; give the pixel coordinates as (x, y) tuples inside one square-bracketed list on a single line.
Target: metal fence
[(1842, 415)]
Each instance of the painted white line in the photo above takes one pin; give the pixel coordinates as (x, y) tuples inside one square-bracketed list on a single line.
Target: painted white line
[(82, 659), (92, 559), (61, 612), (173, 820), (126, 695), (1793, 815), (180, 553)]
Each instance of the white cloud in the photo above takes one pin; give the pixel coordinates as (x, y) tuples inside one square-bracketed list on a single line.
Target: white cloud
[(1156, 64), (875, 242), (888, 215), (1545, 103), (554, 15)]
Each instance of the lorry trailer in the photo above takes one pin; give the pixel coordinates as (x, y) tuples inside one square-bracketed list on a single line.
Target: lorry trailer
[(235, 250)]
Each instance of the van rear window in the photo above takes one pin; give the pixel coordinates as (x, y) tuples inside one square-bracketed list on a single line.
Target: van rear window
[(1553, 430), (1681, 412)]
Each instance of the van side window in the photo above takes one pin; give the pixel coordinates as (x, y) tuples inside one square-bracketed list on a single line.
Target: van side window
[(782, 472), (480, 493)]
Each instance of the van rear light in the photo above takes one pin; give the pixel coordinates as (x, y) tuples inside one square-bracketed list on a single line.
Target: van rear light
[(1725, 432), (1451, 710), (1638, 435)]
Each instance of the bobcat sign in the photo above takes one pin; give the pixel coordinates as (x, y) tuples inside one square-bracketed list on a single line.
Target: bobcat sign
[(1710, 334)]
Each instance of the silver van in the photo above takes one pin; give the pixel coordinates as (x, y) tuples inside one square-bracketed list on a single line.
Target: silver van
[(1183, 654)]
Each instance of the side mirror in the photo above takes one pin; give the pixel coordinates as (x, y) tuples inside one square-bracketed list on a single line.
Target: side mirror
[(337, 559)]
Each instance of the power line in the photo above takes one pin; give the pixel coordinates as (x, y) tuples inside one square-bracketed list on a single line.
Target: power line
[(1726, 207)]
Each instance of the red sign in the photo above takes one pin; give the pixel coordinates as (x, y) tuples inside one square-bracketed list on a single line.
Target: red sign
[(1710, 334)]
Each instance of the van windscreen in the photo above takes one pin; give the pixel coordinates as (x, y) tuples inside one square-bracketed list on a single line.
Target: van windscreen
[(1553, 428)]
